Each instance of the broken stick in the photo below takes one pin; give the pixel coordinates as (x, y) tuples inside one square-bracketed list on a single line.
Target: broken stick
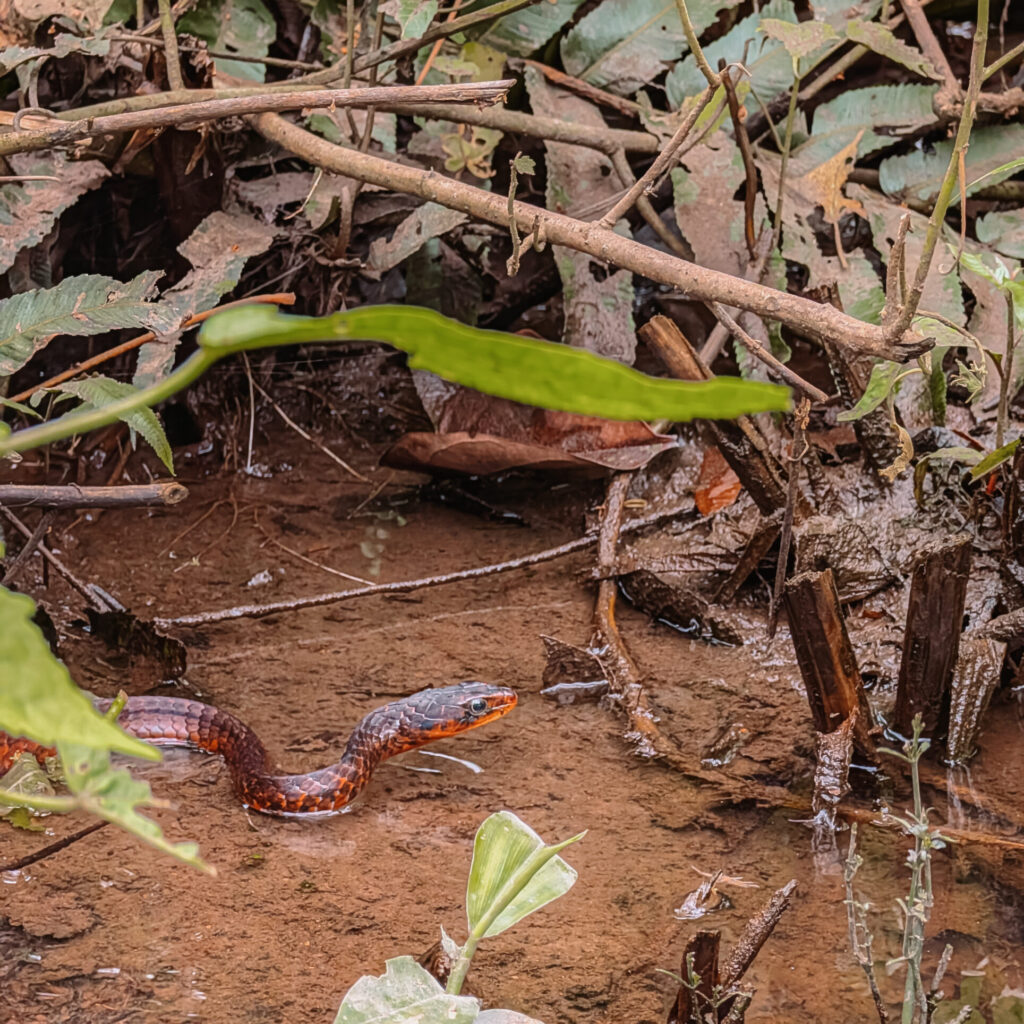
[(167, 492)]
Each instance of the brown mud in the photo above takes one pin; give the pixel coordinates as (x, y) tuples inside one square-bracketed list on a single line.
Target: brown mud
[(108, 930)]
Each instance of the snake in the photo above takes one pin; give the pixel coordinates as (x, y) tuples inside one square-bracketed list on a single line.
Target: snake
[(395, 728)]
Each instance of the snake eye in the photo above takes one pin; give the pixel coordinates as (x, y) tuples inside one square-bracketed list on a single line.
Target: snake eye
[(477, 706)]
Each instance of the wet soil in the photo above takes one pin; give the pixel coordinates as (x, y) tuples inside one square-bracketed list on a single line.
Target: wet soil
[(108, 930)]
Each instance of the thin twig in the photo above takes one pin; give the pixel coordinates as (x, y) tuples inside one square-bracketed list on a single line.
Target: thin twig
[(316, 444), (48, 851), (694, 44), (739, 130), (190, 110), (167, 492), (27, 549), (756, 349), (273, 62), (404, 586), (303, 558)]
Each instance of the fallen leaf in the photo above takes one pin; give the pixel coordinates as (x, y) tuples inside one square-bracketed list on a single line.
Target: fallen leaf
[(718, 486)]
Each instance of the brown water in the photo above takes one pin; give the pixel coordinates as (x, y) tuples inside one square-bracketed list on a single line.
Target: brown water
[(108, 930)]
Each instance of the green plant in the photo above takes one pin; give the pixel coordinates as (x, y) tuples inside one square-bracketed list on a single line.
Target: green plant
[(513, 873), (919, 1002)]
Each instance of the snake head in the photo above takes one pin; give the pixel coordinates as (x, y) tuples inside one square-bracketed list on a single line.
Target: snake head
[(481, 703), (449, 710)]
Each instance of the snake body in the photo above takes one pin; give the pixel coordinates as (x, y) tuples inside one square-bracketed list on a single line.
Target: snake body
[(392, 729)]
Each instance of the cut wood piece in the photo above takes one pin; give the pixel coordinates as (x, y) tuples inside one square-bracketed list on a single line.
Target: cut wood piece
[(692, 1004), (826, 658), (739, 440), (758, 546), (979, 665), (167, 492), (935, 612)]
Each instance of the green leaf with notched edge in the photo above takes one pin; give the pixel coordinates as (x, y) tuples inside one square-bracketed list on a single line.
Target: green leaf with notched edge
[(84, 305), (38, 698), (623, 44), (800, 40), (881, 40), (97, 392), (404, 994), (538, 373), (883, 377), (1003, 230), (513, 873), (525, 31)]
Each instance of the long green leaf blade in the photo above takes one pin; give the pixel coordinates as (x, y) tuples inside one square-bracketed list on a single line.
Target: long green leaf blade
[(538, 373)]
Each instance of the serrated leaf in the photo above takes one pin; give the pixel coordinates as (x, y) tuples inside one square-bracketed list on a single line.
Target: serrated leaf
[(39, 700), (839, 12), (244, 27), (770, 66), (28, 209), (801, 39), (404, 994), (84, 305), (884, 113), (623, 44), (883, 377), (513, 873), (992, 150), (998, 173), (64, 43), (1003, 230), (425, 222), (96, 392), (524, 32), (881, 40)]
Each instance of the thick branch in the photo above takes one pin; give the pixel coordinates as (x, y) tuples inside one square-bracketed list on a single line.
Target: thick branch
[(701, 284)]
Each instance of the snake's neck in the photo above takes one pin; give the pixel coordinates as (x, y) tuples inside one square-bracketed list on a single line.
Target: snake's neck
[(329, 789)]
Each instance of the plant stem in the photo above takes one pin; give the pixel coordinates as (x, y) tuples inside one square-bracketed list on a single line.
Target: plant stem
[(171, 56), (945, 195), (1005, 375), (692, 42)]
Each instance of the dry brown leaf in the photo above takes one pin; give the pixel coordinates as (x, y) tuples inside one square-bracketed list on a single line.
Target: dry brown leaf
[(825, 183)]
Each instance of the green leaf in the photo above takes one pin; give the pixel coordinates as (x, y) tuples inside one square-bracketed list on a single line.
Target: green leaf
[(244, 27), (965, 455), (9, 403), (800, 40), (624, 44), (97, 392), (770, 66), (839, 12), (881, 40), (526, 31), (84, 305), (404, 994), (883, 377), (539, 373), (1003, 230), (994, 459), (513, 873), (64, 43), (39, 700), (112, 793), (918, 174), (415, 16)]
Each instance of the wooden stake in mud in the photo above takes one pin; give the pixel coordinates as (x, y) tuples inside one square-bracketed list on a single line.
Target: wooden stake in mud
[(827, 662), (692, 1004), (935, 615), (740, 442)]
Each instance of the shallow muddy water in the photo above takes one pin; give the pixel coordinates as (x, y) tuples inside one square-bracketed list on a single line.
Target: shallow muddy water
[(107, 930)]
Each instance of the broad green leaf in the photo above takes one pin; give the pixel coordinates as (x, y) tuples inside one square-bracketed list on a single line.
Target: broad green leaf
[(1007, 279), (884, 113), (838, 13), (994, 459), (29, 209), (64, 43), (405, 994), (9, 403), (624, 44), (770, 66), (968, 456), (96, 392), (800, 40), (881, 40), (38, 698), (112, 793), (415, 16), (244, 27), (513, 873), (1003, 230), (526, 31), (538, 373), (84, 305), (992, 153), (883, 377)]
